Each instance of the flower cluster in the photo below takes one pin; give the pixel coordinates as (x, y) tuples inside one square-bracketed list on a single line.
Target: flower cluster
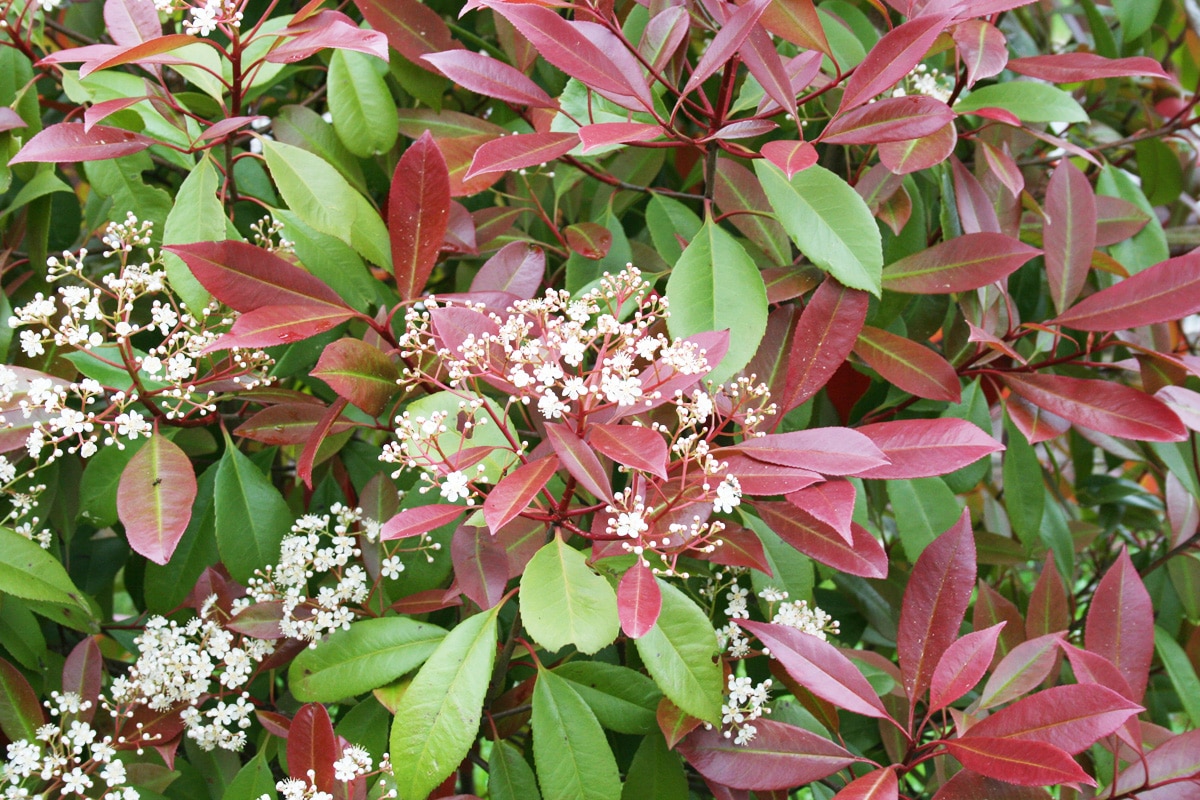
[(927, 81), (354, 763), (746, 702), (796, 614)]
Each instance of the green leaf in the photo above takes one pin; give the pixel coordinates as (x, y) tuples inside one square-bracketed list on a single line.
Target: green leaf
[(622, 700), (1029, 101), (369, 654), (364, 114), (1024, 489), (251, 516), (669, 221), (509, 775), (572, 756), (252, 781), (924, 508), (196, 216), (31, 573), (334, 262), (1149, 245), (1180, 671), (678, 653), (1136, 16), (438, 717), (44, 183), (1159, 168), (21, 633), (829, 222), (302, 127), (716, 286), (655, 772), (98, 488), (564, 602)]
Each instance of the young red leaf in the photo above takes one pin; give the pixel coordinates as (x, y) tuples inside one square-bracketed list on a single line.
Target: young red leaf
[(154, 498), (819, 667), (1048, 604), (70, 141), (579, 460), (738, 189), (729, 39), (287, 424), (633, 446), (968, 785), (791, 156), (516, 491), (1070, 717), (359, 372), (742, 129), (312, 747), (829, 451), (893, 119), (864, 557), (763, 61), (589, 239), (418, 520), (1167, 765), (780, 756), (1020, 762), (150, 52), (825, 335), (959, 265), (1166, 291), (602, 134), (517, 268), (131, 22), (976, 214), (20, 709), (226, 126), (962, 666), (412, 28), (982, 47), (639, 600), (324, 30), (1021, 670), (1117, 220), (245, 277), (914, 155), (993, 608), (893, 57), (831, 502), (881, 784), (663, 34), (520, 151), (489, 76), (83, 674), (935, 604), (1100, 406), (909, 365), (1069, 233), (11, 120), (740, 548), (1120, 623), (308, 456), (274, 325), (480, 565), (259, 620), (1078, 67), (418, 213), (759, 478)]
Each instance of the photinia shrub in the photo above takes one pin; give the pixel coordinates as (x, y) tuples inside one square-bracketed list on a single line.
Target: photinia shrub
[(666, 399)]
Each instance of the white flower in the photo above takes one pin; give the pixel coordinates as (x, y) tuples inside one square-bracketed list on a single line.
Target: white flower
[(729, 495), (391, 567), (31, 343), (454, 487)]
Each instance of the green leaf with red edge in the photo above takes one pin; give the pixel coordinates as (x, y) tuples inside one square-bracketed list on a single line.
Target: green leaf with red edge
[(589, 239), (1100, 405), (633, 446), (143, 53), (287, 424), (893, 119), (791, 156), (269, 326), (935, 604), (1023, 669), (962, 666), (491, 77), (412, 28), (958, 265), (819, 667), (1119, 623), (1069, 233), (892, 57), (154, 498), (1049, 610), (880, 784), (520, 151), (639, 600), (245, 277), (480, 564), (20, 710), (418, 520), (516, 490), (824, 338), (359, 372), (312, 747), (992, 608), (69, 141), (864, 556), (1021, 762), (982, 47), (780, 756), (1167, 291), (1070, 717), (914, 155), (580, 462), (1079, 67), (418, 213), (797, 22), (907, 364)]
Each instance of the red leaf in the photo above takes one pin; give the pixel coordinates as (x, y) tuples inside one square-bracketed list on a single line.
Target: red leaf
[(69, 141), (958, 265), (11, 120), (763, 61), (1048, 605), (1070, 717), (1165, 292), (893, 57), (975, 210), (880, 784), (1120, 623), (740, 548), (663, 34), (480, 565), (274, 325), (259, 621), (516, 491), (791, 156), (935, 604), (1117, 220), (1078, 67), (520, 151), (758, 478), (909, 365), (589, 239), (729, 39), (1026, 666), (962, 666), (825, 335), (359, 372), (20, 709), (819, 667), (488, 76), (602, 134), (412, 28), (327, 29), (154, 498), (131, 21), (982, 48), (779, 757), (225, 127), (152, 51), (633, 446), (927, 447), (1167, 764), (673, 722), (1069, 233), (864, 557), (1020, 762), (308, 456), (245, 277), (993, 608), (418, 213), (312, 747), (1100, 406), (831, 502), (83, 674), (287, 424), (579, 460), (797, 22), (517, 268), (914, 155), (829, 451), (639, 600), (968, 785), (893, 119), (418, 520)]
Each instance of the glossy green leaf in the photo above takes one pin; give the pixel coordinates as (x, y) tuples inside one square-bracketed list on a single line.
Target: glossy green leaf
[(1181, 672), (196, 216), (509, 775), (1136, 16), (1029, 101), (31, 573), (679, 654), (563, 602), (655, 772), (924, 507), (1024, 490), (623, 700), (251, 516), (365, 656), (671, 225), (364, 114), (252, 781), (572, 756), (716, 286), (829, 222)]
